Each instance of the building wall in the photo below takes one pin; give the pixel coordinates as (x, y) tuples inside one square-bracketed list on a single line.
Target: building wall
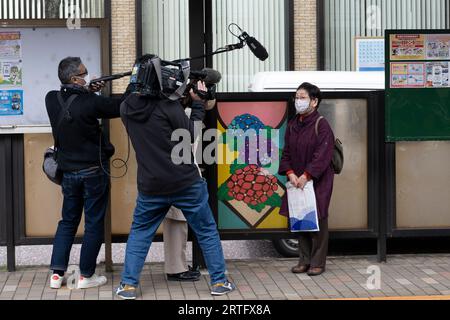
[(123, 36), (305, 34)]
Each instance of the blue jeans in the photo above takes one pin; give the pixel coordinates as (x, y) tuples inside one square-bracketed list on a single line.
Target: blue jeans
[(148, 215), (86, 189)]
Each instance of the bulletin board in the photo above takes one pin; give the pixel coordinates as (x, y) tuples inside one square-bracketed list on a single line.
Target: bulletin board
[(29, 58), (417, 85)]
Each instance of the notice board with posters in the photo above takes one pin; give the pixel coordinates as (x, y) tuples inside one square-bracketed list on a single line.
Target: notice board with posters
[(417, 85), (29, 58)]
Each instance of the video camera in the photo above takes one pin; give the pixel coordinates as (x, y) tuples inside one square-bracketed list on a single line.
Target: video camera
[(152, 76)]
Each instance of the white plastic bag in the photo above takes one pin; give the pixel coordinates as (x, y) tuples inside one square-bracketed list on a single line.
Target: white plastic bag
[(302, 208)]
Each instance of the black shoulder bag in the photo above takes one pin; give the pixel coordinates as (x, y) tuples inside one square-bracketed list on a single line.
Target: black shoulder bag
[(338, 152)]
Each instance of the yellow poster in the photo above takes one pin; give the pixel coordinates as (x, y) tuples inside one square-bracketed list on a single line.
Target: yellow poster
[(407, 46)]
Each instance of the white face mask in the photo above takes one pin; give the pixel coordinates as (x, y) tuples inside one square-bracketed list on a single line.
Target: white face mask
[(302, 106), (87, 78)]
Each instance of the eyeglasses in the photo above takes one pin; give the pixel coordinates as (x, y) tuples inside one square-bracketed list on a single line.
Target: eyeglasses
[(82, 74)]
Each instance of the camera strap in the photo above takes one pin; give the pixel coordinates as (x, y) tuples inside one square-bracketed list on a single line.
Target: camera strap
[(62, 113), (178, 94)]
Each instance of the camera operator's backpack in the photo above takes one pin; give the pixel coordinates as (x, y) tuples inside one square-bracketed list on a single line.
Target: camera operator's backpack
[(338, 152)]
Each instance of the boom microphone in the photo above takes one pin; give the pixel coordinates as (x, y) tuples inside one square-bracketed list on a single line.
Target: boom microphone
[(111, 77), (255, 46)]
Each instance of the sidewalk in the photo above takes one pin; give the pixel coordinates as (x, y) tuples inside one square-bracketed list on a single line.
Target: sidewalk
[(263, 279)]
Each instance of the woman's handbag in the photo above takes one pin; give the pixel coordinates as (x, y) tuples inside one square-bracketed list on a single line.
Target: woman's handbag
[(50, 163)]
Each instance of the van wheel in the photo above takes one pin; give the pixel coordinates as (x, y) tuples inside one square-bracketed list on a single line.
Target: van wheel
[(286, 247)]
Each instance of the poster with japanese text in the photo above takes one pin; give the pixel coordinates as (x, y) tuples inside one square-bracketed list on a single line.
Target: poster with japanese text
[(438, 47), (407, 75), (437, 74), (407, 47), (10, 73), (11, 102), (369, 54), (10, 46)]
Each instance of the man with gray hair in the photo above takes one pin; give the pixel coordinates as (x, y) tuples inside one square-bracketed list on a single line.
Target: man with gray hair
[(83, 154)]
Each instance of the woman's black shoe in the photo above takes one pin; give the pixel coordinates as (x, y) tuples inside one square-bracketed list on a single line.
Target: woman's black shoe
[(184, 276)]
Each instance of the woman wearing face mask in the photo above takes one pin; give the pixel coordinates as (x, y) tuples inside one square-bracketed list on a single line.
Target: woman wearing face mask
[(307, 155)]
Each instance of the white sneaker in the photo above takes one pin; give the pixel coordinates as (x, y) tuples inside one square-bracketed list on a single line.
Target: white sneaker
[(92, 282), (56, 281)]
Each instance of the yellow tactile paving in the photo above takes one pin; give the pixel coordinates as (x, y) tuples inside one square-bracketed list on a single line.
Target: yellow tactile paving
[(402, 298)]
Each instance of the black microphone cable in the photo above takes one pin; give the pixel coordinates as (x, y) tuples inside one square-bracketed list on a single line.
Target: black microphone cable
[(122, 163)]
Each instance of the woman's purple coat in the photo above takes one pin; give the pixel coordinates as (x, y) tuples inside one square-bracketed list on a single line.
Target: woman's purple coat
[(304, 150)]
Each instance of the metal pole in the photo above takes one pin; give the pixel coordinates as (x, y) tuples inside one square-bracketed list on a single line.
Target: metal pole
[(382, 207), (8, 203), (108, 239), (108, 219)]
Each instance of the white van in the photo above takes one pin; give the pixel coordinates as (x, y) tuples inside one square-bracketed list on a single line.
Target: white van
[(289, 81)]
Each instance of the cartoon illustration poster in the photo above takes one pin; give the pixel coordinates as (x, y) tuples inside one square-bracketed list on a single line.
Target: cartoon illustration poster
[(11, 102), (407, 75), (438, 47), (407, 47), (11, 73)]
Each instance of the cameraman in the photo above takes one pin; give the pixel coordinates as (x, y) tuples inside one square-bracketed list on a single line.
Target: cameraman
[(175, 231), (150, 123), (83, 153)]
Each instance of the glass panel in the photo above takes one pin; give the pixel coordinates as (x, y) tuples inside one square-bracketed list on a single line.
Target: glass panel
[(348, 119), (262, 19), (422, 182), (165, 28)]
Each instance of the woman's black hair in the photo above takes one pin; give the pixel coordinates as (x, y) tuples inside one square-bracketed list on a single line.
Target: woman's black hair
[(313, 92)]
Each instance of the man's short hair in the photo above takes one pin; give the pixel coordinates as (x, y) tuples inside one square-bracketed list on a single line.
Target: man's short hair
[(68, 68), (313, 91)]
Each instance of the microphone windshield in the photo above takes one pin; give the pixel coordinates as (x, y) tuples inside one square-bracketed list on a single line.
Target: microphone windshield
[(212, 76), (256, 47)]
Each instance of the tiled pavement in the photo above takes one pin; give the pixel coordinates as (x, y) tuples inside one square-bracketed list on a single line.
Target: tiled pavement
[(262, 279)]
